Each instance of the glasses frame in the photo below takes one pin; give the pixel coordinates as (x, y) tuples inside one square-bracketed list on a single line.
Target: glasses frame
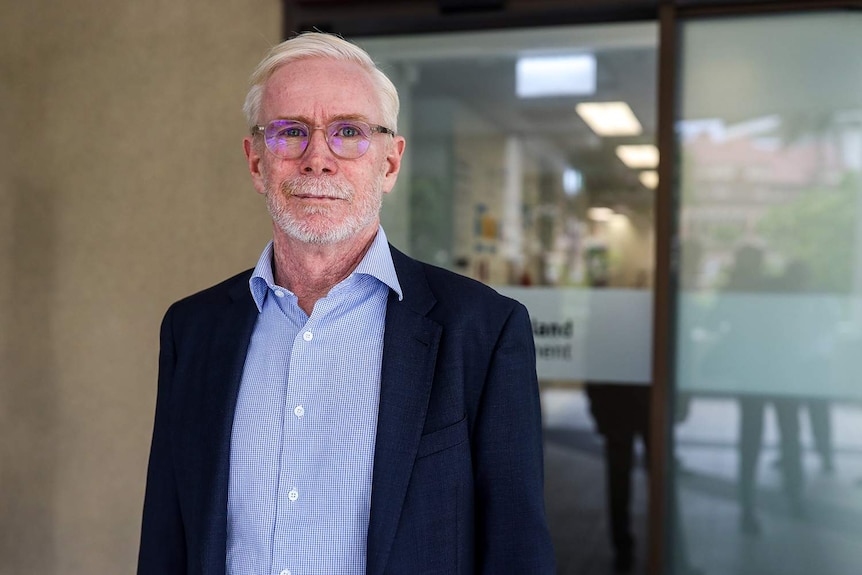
[(372, 129)]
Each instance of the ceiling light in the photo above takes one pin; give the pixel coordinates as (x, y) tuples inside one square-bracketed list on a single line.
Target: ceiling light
[(649, 179), (556, 76), (639, 156), (609, 118), (600, 214)]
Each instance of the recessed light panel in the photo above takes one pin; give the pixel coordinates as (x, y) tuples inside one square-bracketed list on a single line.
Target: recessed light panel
[(649, 179), (610, 118), (639, 156), (556, 76), (600, 214)]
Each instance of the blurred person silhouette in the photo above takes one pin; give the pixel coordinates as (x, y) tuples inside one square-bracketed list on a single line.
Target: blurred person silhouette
[(807, 359), (621, 413), (691, 256), (749, 352)]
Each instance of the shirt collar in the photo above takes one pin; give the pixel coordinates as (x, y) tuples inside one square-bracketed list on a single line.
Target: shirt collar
[(377, 263)]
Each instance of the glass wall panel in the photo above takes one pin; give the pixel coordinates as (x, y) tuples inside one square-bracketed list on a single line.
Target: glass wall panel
[(505, 181), (768, 438)]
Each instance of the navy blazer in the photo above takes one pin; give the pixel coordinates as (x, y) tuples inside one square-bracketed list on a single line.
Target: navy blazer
[(457, 483)]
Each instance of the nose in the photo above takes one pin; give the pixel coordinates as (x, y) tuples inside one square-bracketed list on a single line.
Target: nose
[(317, 159)]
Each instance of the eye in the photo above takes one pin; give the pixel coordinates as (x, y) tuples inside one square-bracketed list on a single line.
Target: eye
[(291, 132), (348, 131), (288, 130)]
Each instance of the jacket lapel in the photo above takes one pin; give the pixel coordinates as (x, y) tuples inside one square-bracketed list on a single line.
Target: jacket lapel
[(410, 347), (228, 349)]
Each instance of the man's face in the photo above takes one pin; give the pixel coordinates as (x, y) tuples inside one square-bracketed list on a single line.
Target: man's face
[(319, 197)]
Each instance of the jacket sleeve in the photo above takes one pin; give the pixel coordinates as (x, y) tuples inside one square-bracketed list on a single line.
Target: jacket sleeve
[(512, 532), (163, 546)]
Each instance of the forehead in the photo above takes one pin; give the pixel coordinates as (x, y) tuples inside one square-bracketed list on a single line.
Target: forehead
[(319, 89)]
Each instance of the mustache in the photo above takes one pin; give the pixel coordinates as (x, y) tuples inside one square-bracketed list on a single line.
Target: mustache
[(316, 187)]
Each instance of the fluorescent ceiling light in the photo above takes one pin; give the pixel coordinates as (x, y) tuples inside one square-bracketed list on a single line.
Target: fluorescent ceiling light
[(640, 156), (609, 118), (649, 179), (600, 214), (556, 76)]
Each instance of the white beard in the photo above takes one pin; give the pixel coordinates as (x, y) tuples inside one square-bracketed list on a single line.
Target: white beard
[(322, 230)]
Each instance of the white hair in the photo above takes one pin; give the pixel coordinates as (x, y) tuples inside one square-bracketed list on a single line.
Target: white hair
[(320, 45)]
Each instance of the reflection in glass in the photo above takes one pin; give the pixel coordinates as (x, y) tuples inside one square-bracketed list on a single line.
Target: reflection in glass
[(769, 433)]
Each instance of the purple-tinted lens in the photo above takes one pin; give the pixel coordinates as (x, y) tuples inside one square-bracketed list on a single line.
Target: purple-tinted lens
[(286, 138), (348, 139)]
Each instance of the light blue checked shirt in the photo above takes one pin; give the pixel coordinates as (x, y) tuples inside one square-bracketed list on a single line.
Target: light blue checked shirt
[(302, 448)]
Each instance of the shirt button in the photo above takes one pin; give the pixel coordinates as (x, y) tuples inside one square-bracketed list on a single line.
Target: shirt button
[(285, 572), (293, 494), (308, 336), (280, 293), (299, 411)]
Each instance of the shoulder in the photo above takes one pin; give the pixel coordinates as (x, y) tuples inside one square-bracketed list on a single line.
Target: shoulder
[(218, 295)]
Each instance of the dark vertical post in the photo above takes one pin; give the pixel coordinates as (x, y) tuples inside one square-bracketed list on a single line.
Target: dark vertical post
[(661, 416)]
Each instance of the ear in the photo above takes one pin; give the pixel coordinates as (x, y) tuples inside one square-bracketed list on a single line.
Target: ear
[(393, 163), (254, 164)]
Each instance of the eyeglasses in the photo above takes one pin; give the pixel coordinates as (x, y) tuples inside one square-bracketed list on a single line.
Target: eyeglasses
[(348, 139)]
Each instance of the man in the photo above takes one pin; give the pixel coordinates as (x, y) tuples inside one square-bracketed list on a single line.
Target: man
[(341, 408)]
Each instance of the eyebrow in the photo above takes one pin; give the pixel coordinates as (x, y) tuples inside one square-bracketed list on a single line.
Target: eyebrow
[(337, 118)]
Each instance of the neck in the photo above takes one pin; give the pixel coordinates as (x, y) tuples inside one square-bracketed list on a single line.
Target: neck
[(311, 270)]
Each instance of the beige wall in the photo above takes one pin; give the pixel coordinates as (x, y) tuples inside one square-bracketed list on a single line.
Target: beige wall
[(122, 188)]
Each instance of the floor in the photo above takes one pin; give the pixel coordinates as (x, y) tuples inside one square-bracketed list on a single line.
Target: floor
[(821, 540)]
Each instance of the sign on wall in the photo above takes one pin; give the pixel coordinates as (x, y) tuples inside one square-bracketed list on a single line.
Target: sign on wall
[(586, 334)]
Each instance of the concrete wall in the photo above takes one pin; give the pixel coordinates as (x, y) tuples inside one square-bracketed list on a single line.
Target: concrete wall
[(123, 187)]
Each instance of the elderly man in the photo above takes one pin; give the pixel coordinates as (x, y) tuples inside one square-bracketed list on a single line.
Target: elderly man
[(341, 408)]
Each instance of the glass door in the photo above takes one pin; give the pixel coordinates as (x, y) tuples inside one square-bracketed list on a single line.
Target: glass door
[(530, 165), (768, 438)]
